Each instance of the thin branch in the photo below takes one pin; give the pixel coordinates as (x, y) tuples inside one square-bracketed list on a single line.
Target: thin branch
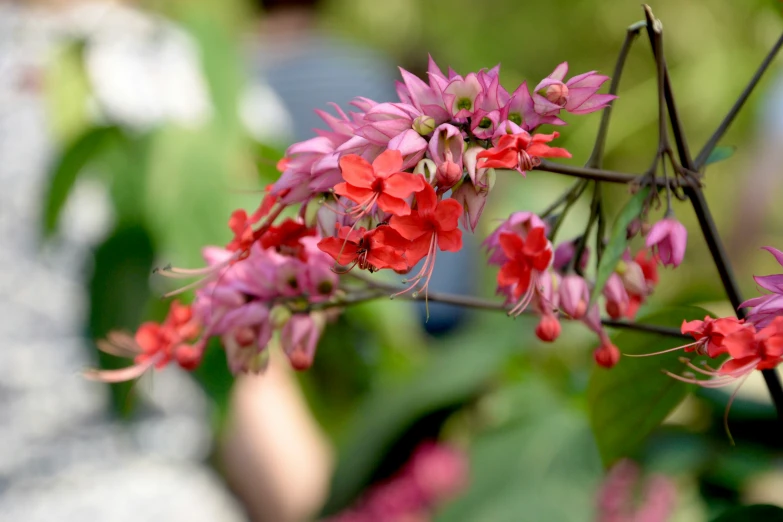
[(705, 152), (596, 157), (598, 174)]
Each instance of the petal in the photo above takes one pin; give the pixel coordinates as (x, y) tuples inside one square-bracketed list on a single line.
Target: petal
[(344, 252), (775, 252), (426, 199), (511, 244), (410, 227), (402, 184), (450, 241), (773, 283), (352, 192), (386, 257), (392, 205), (357, 171), (419, 248), (447, 214), (387, 163)]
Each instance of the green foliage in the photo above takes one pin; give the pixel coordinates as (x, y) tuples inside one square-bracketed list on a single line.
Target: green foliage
[(617, 241), (720, 154), (627, 402), (538, 453)]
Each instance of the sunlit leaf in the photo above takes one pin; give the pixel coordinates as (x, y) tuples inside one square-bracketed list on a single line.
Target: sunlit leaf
[(627, 402), (617, 241), (72, 161)]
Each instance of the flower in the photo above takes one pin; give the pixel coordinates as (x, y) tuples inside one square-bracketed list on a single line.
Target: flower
[(668, 237), (574, 296), (521, 152), (299, 338), (766, 307), (432, 224), (381, 183), (527, 258), (371, 250), (577, 95)]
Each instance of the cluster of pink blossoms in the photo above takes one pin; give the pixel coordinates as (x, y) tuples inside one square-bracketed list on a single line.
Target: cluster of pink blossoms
[(434, 474), (385, 187)]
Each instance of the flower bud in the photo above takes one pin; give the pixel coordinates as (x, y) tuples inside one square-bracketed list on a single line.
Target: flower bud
[(424, 124), (548, 328), (574, 296), (669, 238), (426, 168), (606, 355), (557, 94), (279, 316), (447, 175)]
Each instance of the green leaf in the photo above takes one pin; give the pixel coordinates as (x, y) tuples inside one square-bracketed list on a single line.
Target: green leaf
[(66, 170), (523, 467), (455, 374), (617, 241), (627, 402), (720, 154), (765, 512)]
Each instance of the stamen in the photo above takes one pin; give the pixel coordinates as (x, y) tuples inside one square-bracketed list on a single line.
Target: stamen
[(669, 350)]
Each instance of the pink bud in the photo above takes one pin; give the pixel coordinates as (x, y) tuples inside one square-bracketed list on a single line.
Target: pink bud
[(548, 328), (669, 237), (299, 338), (607, 354), (616, 297), (557, 93), (472, 201), (447, 175), (574, 296), (564, 255)]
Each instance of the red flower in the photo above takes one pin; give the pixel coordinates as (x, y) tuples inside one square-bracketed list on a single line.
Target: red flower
[(373, 250), (242, 225), (710, 334), (286, 237), (432, 224), (381, 183), (521, 152), (524, 256)]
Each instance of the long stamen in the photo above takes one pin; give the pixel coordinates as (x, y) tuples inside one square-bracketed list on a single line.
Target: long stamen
[(422, 272), (728, 407), (676, 348)]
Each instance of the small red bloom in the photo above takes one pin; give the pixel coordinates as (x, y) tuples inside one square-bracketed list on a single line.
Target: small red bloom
[(381, 183), (432, 224), (371, 250), (242, 225), (524, 256), (521, 152), (710, 334), (285, 238)]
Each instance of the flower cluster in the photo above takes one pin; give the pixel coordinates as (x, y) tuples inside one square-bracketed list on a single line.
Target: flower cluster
[(385, 186), (533, 272), (621, 499), (435, 473)]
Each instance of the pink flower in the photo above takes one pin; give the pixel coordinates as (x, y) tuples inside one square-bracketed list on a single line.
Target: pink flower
[(577, 95), (299, 338), (446, 146), (574, 296), (766, 307), (462, 94), (668, 237)]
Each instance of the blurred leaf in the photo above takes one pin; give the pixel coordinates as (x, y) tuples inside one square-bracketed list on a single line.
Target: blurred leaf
[(119, 289), (758, 512), (67, 91), (720, 154), (84, 149), (524, 467), (627, 402), (617, 241), (451, 377)]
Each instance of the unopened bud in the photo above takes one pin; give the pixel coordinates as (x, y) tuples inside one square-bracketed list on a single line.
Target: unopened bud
[(548, 328), (447, 175), (426, 168), (279, 316), (606, 355), (424, 124), (557, 94)]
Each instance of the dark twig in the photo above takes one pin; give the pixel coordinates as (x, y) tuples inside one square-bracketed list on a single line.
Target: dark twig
[(695, 194)]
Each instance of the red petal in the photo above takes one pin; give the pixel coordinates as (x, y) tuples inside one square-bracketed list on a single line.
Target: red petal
[(426, 199), (541, 150), (386, 257), (344, 252), (447, 214), (384, 235), (418, 249), (402, 184), (503, 159), (514, 273), (354, 193), (396, 206), (357, 171), (450, 240), (387, 163), (511, 244), (410, 227), (536, 241)]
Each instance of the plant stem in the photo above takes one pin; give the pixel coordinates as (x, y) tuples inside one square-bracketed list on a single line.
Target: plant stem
[(598, 174), (695, 194)]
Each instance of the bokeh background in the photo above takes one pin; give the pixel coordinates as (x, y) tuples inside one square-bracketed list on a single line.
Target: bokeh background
[(130, 130)]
